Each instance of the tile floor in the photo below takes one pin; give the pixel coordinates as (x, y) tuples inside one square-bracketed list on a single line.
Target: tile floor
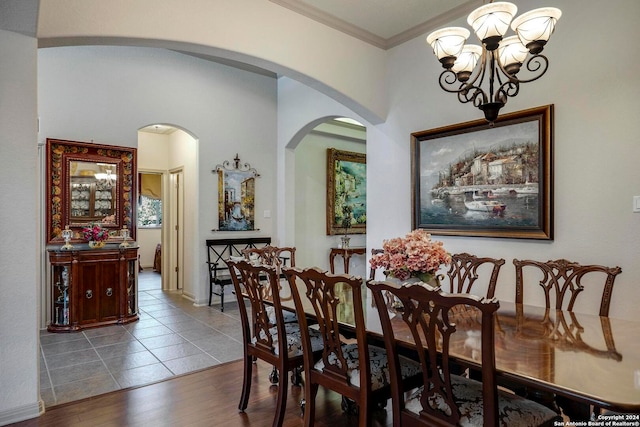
[(172, 337)]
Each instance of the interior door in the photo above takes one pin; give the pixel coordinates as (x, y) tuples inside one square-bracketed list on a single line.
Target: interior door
[(176, 230)]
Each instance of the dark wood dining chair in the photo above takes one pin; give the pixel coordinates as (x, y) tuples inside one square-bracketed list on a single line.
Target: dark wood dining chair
[(266, 336), (429, 317), (356, 370), (265, 255), (276, 257), (465, 269), (562, 282), (286, 255)]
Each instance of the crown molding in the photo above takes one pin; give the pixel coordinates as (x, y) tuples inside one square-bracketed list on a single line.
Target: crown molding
[(339, 24), (332, 21)]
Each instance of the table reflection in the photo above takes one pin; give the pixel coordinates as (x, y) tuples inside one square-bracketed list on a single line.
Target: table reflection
[(589, 358)]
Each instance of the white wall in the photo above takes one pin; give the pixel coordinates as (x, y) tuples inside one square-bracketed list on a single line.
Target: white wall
[(312, 243), (260, 33), (147, 240), (20, 228), (105, 94), (595, 147)]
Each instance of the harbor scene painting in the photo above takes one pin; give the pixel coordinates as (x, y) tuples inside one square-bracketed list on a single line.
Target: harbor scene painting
[(476, 179)]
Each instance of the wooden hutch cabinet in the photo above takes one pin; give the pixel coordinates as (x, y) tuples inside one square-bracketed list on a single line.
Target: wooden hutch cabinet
[(92, 287), (90, 184)]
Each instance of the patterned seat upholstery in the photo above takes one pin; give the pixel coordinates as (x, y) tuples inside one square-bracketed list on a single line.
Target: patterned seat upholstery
[(513, 410), (357, 370), (294, 339), (259, 285), (429, 317), (379, 366)]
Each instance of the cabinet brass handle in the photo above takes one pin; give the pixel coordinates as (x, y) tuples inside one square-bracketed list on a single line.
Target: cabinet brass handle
[(109, 292), (88, 294)]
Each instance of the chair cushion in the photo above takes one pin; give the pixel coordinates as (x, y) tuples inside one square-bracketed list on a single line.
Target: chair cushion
[(513, 410), (380, 376), (294, 339), (288, 316)]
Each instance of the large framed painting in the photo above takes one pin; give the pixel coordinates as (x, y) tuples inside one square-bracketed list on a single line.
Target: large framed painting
[(478, 179), (346, 192), (236, 195)]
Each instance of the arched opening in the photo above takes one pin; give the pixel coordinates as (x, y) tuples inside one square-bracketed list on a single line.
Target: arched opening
[(309, 194), (166, 153)]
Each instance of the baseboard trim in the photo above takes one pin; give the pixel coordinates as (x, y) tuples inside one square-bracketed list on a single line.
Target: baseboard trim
[(21, 413)]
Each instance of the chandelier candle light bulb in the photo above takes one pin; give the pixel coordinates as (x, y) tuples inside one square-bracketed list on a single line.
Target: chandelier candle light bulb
[(499, 59)]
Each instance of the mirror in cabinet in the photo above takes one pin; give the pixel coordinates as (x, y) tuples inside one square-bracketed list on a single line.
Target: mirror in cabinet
[(93, 191), (90, 183)]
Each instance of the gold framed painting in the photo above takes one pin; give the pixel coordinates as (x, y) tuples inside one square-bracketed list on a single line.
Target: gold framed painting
[(346, 192)]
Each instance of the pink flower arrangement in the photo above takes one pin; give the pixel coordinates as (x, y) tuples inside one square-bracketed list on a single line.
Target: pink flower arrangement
[(415, 255), (95, 233)]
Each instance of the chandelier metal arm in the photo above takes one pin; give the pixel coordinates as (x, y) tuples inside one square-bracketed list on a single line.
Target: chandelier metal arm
[(502, 83), (535, 64)]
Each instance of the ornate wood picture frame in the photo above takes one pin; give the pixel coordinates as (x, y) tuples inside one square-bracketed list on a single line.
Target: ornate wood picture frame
[(346, 192), (62, 157), (477, 179)]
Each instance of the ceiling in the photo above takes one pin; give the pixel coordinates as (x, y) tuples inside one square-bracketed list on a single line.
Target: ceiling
[(159, 129), (382, 23)]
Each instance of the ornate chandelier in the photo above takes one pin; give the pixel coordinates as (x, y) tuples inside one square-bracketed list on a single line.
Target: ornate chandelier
[(500, 59)]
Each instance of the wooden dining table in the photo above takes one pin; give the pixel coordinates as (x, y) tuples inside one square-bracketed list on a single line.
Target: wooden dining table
[(587, 359)]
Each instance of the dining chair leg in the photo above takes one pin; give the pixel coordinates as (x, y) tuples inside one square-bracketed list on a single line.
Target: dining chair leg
[(311, 390), (273, 376), (280, 402), (246, 383), (296, 376), (349, 406)]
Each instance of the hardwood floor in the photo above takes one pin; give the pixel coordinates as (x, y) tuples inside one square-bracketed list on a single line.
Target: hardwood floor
[(205, 398)]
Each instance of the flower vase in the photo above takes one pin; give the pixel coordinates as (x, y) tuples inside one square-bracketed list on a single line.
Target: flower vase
[(97, 245), (345, 241), (430, 279)]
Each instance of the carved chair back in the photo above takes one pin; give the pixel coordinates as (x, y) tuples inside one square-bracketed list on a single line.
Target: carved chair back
[(430, 316), (330, 299), (464, 269), (562, 281)]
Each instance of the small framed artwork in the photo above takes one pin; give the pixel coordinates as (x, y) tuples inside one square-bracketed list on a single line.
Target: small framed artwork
[(236, 195), (477, 179), (346, 192)]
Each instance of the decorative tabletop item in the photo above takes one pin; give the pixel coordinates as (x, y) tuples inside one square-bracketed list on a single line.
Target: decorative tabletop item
[(124, 233), (67, 234), (95, 235), (346, 224), (414, 255)]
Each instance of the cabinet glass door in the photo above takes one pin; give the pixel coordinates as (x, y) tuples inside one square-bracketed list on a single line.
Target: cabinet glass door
[(132, 271), (60, 295)]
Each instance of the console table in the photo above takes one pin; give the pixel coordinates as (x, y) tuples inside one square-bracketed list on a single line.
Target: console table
[(92, 287), (346, 254)]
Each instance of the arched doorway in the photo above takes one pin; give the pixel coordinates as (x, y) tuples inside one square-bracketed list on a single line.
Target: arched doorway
[(309, 194), (168, 152)]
